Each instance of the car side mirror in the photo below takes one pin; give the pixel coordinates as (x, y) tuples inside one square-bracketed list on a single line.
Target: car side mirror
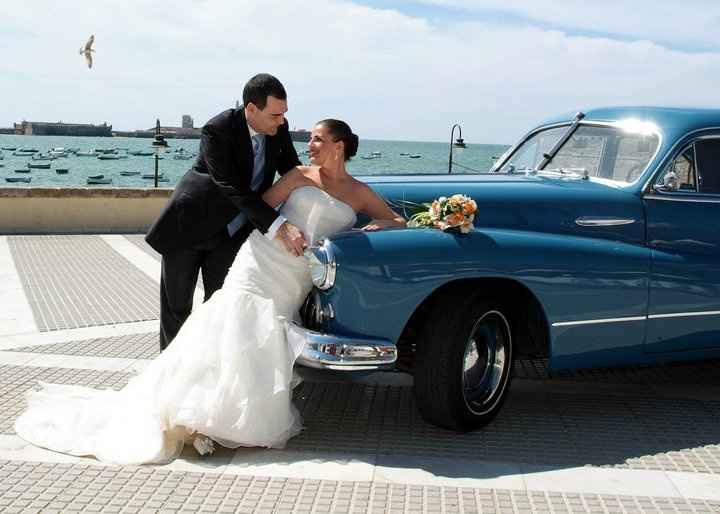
[(670, 183)]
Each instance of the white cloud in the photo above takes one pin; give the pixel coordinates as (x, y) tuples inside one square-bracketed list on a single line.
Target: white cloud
[(688, 22), (390, 75)]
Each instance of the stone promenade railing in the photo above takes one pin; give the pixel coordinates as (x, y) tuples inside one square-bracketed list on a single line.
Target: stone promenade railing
[(50, 210)]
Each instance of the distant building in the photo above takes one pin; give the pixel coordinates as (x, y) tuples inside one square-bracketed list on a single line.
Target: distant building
[(300, 135), (187, 122), (42, 128)]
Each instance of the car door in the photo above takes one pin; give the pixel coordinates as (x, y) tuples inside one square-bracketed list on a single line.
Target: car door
[(683, 233)]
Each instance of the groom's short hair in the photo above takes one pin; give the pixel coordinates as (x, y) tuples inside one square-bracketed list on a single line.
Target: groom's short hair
[(260, 87)]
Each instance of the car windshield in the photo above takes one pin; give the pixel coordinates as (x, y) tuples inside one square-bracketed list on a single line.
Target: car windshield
[(618, 153)]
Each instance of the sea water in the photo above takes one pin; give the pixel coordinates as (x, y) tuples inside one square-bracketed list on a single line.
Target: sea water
[(375, 157)]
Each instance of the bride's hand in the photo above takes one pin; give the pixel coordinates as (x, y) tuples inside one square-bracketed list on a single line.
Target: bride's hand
[(379, 225), (292, 238)]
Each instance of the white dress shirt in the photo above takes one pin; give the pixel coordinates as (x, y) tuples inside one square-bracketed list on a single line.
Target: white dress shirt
[(272, 230)]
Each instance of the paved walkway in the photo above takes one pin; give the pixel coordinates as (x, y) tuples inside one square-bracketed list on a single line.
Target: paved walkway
[(83, 310)]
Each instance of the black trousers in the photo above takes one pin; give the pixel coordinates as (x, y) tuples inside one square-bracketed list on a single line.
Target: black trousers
[(180, 270)]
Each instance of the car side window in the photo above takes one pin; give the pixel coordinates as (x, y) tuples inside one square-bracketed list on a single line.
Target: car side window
[(634, 151), (680, 174), (707, 155)]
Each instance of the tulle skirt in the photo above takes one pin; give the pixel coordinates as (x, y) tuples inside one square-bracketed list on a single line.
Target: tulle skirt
[(227, 375)]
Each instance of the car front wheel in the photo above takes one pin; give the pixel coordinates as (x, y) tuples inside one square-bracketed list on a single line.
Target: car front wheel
[(464, 360)]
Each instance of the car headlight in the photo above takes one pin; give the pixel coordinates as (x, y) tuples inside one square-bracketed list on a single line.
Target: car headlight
[(322, 265)]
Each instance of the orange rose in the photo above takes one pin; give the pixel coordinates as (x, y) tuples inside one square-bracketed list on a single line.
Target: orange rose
[(469, 207), (455, 219)]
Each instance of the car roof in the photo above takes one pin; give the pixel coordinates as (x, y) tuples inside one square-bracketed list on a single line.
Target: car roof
[(670, 120)]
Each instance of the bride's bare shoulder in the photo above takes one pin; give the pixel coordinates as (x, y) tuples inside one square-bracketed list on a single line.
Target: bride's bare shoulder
[(308, 174)]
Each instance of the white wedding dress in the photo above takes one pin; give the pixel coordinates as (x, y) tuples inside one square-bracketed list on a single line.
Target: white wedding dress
[(226, 375)]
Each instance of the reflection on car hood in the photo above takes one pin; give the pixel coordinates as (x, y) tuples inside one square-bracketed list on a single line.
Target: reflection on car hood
[(526, 202)]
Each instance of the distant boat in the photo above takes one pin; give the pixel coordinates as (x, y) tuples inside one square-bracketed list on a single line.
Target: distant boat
[(39, 166), (105, 150), (96, 177), (22, 170), (85, 154), (140, 153), (183, 156), (29, 150), (41, 157), (129, 173), (9, 148), (18, 179), (108, 157), (96, 181), (151, 175), (414, 155), (20, 153), (404, 154), (61, 171)]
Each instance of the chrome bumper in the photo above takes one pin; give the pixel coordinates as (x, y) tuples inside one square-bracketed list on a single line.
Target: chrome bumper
[(326, 351)]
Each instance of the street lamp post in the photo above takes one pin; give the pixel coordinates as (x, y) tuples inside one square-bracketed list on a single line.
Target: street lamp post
[(459, 143), (159, 145)]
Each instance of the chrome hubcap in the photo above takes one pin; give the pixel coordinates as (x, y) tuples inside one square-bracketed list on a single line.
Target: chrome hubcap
[(486, 362)]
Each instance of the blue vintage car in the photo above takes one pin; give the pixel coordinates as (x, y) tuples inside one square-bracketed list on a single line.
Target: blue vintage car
[(597, 243)]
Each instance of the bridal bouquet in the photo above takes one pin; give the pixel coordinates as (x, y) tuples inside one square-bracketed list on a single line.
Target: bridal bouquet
[(445, 213)]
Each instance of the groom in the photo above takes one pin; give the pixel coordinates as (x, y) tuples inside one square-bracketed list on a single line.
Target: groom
[(217, 203)]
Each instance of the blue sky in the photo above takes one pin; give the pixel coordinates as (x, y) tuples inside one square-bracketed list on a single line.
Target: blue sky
[(393, 70)]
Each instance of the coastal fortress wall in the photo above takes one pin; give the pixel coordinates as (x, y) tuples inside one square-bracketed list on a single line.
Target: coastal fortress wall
[(80, 210), (42, 128)]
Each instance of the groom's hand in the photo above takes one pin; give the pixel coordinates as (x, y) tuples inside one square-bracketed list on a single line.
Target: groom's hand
[(291, 238)]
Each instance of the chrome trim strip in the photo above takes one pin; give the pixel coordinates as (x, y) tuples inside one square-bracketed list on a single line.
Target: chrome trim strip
[(678, 197), (599, 221), (684, 314), (332, 265), (636, 318), (327, 351), (593, 321)]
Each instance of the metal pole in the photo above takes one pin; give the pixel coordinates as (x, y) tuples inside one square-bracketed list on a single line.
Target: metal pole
[(452, 131), (157, 149)]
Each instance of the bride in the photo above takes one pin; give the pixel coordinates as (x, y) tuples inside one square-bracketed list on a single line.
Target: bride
[(227, 375)]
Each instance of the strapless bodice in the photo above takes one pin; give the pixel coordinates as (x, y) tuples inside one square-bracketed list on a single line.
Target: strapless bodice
[(317, 213)]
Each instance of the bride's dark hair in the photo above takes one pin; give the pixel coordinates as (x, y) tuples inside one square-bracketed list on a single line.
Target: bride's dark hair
[(340, 131)]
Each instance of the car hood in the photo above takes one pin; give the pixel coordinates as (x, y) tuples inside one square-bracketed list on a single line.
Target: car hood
[(527, 202)]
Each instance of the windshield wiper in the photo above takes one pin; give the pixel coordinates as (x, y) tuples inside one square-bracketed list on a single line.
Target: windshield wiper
[(547, 157), (575, 172)]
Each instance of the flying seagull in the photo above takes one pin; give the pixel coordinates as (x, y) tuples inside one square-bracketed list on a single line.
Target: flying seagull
[(87, 51)]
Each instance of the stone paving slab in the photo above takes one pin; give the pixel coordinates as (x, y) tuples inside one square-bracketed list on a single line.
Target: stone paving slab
[(80, 281), (702, 373), (135, 346), (50, 487), (139, 241), (705, 372), (16, 380), (554, 429)]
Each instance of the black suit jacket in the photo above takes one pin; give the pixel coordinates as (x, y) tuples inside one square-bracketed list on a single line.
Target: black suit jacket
[(212, 192)]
